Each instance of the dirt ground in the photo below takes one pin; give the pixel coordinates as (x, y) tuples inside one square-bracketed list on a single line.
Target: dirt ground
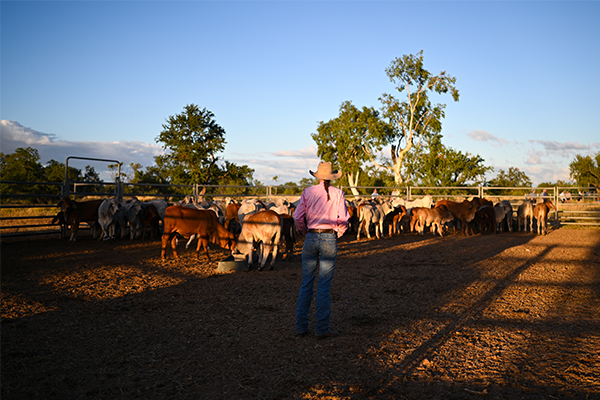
[(506, 316)]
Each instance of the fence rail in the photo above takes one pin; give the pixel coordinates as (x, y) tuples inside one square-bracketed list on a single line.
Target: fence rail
[(21, 213)]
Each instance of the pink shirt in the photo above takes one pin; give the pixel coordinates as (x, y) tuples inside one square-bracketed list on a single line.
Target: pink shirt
[(320, 213)]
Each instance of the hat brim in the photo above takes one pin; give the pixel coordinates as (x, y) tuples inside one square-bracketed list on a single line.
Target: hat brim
[(334, 175)]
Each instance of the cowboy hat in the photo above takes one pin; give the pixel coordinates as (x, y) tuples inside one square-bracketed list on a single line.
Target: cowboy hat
[(326, 172)]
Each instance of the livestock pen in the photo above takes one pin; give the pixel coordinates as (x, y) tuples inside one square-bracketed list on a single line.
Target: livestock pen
[(28, 208)]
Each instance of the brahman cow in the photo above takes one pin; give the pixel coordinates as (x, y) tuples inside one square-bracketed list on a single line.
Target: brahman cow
[(434, 217), (106, 217), (134, 214), (262, 229), (540, 212), (486, 219), (160, 206), (187, 221), (369, 214), (150, 218), (288, 232), (352, 212), (525, 213), (76, 212), (232, 221), (426, 202), (393, 218), (464, 211), (248, 207), (504, 213)]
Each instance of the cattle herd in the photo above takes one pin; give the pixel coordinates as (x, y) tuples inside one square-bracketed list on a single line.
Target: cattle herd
[(254, 226)]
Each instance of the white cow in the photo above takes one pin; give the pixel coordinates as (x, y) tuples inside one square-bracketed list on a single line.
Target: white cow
[(524, 213), (134, 215), (508, 217), (501, 211), (249, 207), (369, 214), (262, 229), (106, 218), (426, 201)]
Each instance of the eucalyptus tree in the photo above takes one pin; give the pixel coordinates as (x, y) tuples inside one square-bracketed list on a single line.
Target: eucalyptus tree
[(437, 165), (586, 170), (348, 140), (192, 142), (414, 117)]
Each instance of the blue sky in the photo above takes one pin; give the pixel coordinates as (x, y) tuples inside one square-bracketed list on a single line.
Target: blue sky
[(100, 78)]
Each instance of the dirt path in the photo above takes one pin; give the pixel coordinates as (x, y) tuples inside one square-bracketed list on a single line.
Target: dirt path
[(495, 316)]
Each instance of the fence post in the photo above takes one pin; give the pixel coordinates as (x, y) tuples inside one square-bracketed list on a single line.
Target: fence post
[(556, 222)]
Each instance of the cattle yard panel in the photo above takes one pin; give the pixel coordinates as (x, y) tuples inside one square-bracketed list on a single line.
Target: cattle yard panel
[(582, 210), (20, 216)]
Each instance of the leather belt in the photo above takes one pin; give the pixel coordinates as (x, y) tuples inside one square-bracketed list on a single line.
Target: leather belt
[(320, 230)]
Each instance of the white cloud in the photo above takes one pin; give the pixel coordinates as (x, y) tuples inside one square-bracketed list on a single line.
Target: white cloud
[(310, 152), (483, 136), (13, 135), (286, 165)]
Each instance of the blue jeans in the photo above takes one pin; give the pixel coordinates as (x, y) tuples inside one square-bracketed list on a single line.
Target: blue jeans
[(319, 251)]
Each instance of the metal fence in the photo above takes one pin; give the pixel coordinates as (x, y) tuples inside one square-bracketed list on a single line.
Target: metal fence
[(28, 208)]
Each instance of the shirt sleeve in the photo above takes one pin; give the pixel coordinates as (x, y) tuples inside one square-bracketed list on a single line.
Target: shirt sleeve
[(343, 216), (299, 215)]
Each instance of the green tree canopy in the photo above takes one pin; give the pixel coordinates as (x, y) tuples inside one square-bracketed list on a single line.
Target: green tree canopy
[(511, 178), (349, 140), (438, 165), (193, 141), (414, 118), (585, 170), (507, 179), (22, 165)]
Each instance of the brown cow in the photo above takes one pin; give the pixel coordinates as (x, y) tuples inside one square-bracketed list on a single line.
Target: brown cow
[(262, 229), (434, 217), (150, 218), (76, 212), (288, 228), (232, 221), (187, 221), (486, 219), (353, 220), (392, 219), (464, 211), (540, 212), (480, 202)]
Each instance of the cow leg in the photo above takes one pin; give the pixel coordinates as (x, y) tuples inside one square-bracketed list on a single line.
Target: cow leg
[(74, 229), (202, 241), (440, 229), (264, 255), (166, 237), (173, 240), (275, 249), (531, 224), (189, 242)]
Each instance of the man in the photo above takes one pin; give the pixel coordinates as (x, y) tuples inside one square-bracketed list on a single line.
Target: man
[(321, 215), (532, 195)]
